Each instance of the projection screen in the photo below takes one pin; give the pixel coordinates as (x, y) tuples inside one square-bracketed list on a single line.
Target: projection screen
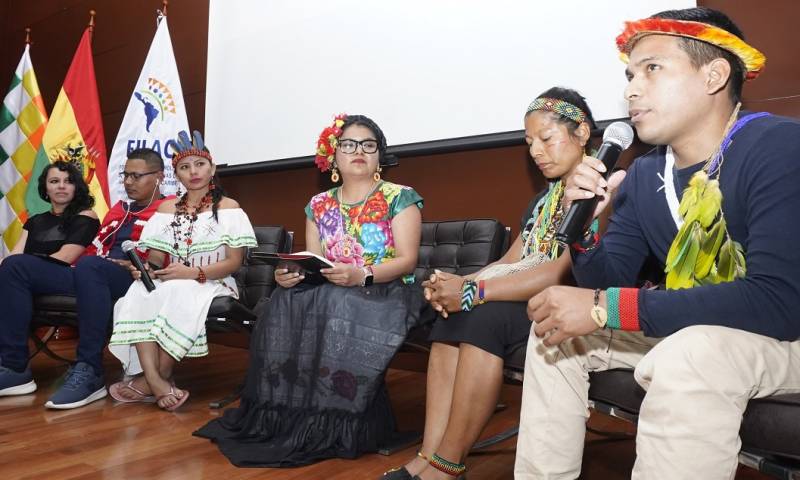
[(426, 71)]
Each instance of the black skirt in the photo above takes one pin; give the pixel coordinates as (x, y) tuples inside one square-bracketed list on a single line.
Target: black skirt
[(315, 385), (496, 327)]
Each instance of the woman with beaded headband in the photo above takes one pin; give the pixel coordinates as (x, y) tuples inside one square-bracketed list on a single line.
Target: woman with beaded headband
[(199, 241), (482, 315), (315, 386)]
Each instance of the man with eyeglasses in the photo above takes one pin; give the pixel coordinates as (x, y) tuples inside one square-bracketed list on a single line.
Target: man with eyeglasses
[(100, 277)]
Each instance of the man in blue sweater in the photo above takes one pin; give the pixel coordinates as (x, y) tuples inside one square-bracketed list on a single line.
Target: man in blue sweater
[(726, 327)]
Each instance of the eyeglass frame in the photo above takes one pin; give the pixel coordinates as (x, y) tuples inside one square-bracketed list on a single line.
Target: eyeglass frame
[(357, 143), (135, 176)]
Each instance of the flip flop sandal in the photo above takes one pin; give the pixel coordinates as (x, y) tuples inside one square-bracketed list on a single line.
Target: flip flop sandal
[(181, 400), (141, 397)]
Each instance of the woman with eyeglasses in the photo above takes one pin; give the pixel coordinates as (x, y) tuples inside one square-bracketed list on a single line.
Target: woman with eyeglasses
[(315, 387), (39, 263)]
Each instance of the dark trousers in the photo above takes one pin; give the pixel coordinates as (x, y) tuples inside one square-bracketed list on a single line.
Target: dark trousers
[(21, 277), (97, 283)]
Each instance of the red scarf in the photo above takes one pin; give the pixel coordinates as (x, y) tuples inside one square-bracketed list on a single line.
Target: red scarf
[(107, 235)]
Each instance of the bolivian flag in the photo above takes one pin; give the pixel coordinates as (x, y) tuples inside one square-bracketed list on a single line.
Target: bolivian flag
[(75, 132)]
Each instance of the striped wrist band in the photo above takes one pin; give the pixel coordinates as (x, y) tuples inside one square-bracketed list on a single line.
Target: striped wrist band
[(623, 309)]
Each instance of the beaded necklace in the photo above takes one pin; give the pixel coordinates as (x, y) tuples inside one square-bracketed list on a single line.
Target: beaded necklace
[(540, 237), (183, 223)]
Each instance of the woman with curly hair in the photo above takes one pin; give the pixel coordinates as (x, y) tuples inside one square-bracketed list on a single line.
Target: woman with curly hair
[(40, 263), (315, 387)]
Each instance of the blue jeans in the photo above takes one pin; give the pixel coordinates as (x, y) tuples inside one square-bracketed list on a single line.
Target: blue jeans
[(97, 283)]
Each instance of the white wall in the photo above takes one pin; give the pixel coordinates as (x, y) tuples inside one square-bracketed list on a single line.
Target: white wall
[(278, 70)]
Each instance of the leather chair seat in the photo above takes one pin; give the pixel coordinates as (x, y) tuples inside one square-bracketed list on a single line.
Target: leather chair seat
[(230, 308), (770, 425), (56, 303)]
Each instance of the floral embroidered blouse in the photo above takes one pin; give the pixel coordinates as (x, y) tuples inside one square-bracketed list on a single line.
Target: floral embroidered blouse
[(360, 233)]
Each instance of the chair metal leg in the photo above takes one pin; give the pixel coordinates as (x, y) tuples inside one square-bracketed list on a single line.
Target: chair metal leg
[(400, 441), (223, 402), (494, 440), (612, 435), (40, 345)]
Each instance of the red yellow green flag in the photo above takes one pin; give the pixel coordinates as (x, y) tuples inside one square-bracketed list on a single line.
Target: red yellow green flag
[(75, 132), (22, 123)]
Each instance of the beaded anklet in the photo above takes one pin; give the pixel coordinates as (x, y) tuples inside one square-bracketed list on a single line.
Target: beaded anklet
[(445, 466)]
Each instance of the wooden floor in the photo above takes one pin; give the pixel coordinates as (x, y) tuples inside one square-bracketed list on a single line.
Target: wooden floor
[(109, 440)]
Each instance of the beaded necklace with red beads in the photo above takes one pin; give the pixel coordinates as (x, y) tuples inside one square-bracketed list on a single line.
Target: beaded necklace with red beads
[(186, 216)]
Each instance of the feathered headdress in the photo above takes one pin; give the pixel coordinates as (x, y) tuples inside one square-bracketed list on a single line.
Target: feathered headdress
[(752, 59), (186, 146)]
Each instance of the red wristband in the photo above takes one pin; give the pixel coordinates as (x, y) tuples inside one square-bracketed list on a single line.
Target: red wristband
[(629, 309), (481, 291)]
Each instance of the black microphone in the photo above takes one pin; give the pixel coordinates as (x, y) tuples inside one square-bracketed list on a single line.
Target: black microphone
[(129, 248), (617, 137)]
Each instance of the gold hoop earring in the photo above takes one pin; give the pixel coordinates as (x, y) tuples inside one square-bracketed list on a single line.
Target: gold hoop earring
[(377, 175), (334, 175)]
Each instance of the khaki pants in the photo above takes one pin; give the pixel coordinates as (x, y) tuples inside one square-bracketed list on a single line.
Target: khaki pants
[(698, 383)]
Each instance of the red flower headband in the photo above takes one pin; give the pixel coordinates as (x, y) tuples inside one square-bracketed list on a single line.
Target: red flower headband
[(327, 142)]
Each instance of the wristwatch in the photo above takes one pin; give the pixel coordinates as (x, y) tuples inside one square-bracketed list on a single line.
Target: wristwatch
[(369, 277), (598, 313)]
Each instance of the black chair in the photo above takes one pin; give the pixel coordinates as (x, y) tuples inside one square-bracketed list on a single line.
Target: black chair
[(454, 246), (769, 432), (254, 282)]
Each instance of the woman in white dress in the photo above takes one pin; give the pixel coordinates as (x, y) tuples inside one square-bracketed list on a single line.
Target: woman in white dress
[(200, 240)]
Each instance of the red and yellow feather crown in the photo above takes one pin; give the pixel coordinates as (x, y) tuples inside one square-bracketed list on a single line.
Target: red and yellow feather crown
[(752, 59)]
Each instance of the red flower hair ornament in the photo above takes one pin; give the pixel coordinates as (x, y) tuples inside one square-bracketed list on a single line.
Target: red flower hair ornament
[(327, 142)]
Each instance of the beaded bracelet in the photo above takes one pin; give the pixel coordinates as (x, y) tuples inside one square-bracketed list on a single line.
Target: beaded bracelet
[(201, 275), (447, 467), (590, 239), (468, 289), (481, 292)]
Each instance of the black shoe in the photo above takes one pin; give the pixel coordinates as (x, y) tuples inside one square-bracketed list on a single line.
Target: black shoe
[(399, 473)]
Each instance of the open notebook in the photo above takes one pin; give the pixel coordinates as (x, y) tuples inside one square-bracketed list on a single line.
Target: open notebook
[(305, 263)]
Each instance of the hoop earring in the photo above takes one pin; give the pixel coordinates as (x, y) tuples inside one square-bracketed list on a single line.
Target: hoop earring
[(334, 175), (377, 175)]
